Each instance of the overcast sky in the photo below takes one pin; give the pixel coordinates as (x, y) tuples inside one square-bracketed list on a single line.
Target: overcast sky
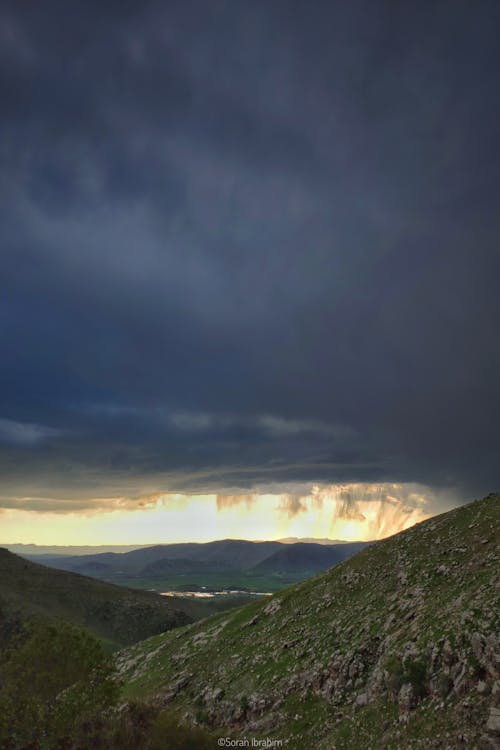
[(246, 245)]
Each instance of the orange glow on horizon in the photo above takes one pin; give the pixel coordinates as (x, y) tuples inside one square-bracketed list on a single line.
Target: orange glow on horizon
[(344, 512)]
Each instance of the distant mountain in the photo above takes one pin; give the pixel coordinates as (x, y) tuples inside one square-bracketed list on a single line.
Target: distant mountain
[(54, 550), (78, 563), (28, 550), (307, 558), (237, 554), (397, 647), (147, 566)]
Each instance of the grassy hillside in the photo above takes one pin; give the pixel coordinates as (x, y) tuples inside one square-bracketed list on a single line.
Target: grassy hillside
[(117, 615), (397, 647)]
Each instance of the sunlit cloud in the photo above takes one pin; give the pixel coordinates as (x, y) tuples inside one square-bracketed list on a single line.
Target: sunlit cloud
[(344, 511), (356, 511)]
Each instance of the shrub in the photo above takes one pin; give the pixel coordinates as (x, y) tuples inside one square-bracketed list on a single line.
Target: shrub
[(415, 672), (52, 675), (139, 726), (400, 672)]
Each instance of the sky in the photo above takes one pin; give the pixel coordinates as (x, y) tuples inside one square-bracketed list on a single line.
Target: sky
[(248, 267)]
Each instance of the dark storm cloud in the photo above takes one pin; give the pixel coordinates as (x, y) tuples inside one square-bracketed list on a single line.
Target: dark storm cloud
[(246, 243)]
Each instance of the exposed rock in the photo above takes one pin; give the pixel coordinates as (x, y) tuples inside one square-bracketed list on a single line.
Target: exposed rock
[(175, 688), (487, 742), (209, 695), (477, 643), (495, 694), (251, 622), (406, 697), (443, 570), (493, 724), (273, 606), (403, 577)]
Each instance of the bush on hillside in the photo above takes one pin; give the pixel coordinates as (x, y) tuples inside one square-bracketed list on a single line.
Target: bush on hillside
[(52, 675), (139, 726)]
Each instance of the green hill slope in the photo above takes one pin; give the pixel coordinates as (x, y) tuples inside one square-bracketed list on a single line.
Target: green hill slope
[(397, 647), (117, 615)]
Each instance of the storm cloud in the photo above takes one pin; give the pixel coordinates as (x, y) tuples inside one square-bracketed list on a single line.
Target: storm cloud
[(248, 244)]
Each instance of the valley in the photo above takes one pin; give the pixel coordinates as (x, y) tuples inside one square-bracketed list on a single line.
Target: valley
[(117, 615), (213, 566)]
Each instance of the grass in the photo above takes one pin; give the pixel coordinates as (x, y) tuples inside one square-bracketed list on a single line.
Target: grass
[(118, 616), (231, 580), (284, 650)]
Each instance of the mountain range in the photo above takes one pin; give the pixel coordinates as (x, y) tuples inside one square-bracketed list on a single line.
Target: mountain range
[(67, 550), (228, 563)]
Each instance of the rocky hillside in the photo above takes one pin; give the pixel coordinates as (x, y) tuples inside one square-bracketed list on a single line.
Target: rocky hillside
[(397, 647)]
